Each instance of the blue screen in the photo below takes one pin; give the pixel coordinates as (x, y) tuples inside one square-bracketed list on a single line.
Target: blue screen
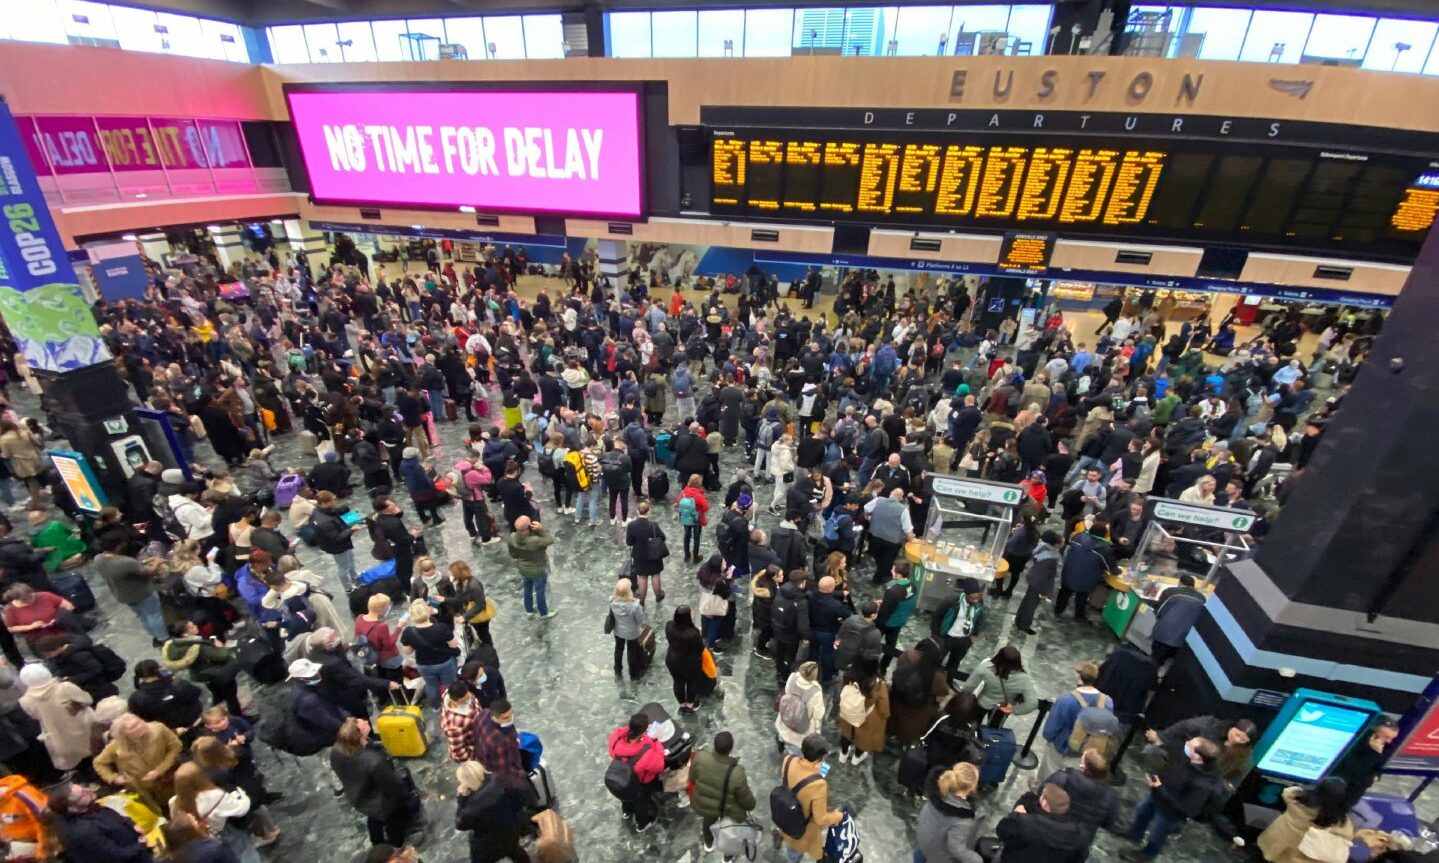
[(1313, 740)]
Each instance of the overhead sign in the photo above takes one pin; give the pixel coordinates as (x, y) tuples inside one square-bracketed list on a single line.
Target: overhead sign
[(39, 295), (528, 151), (970, 489), (65, 145), (79, 480), (1221, 518), (1025, 254)]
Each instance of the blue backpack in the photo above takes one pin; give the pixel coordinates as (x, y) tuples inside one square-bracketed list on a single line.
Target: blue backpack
[(689, 511), (832, 526)]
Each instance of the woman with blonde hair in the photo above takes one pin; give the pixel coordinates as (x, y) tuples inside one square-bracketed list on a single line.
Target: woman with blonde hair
[(434, 647), (381, 636), (626, 620), (213, 807), (492, 814), (472, 608), (947, 819)]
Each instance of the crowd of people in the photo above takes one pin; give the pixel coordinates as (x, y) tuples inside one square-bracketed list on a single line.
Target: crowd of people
[(587, 403)]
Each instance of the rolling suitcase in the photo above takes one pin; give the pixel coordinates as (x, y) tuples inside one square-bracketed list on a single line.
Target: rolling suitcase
[(401, 727), (286, 487), (452, 410), (309, 444), (482, 407), (663, 451), (999, 749), (657, 482)]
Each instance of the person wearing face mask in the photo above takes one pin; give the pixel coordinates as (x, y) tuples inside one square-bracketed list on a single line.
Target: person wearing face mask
[(484, 679), (384, 638), (346, 684), (1187, 787), (497, 745), (314, 709)]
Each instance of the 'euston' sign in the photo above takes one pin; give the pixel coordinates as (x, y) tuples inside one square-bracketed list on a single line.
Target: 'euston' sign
[(1206, 516), (989, 492)]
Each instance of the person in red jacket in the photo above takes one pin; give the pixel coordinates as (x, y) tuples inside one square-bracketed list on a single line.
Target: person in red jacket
[(693, 518), (647, 758)]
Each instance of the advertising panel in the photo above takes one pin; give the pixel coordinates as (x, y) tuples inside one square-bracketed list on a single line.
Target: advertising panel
[(577, 152)]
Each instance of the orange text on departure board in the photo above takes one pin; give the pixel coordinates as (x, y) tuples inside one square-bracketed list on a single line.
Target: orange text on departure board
[(1417, 210)]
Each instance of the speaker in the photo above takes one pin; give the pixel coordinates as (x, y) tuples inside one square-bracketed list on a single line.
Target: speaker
[(549, 225), (1222, 262), (851, 239)]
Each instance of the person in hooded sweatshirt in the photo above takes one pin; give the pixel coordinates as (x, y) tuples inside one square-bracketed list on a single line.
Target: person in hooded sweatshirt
[(947, 827), (1039, 579), (1040, 830), (1093, 802)]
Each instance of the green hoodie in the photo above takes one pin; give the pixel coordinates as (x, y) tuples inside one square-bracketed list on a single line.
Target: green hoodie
[(1164, 408)]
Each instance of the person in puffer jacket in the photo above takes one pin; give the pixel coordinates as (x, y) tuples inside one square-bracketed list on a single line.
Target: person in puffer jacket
[(1092, 800), (804, 684), (763, 588)]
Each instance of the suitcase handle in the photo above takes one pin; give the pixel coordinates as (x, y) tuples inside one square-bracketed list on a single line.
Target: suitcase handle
[(407, 700)]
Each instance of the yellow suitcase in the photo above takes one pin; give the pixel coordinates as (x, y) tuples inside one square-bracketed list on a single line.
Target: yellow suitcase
[(401, 727)]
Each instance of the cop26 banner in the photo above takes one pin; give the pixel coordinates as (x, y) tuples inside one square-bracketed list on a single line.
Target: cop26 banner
[(39, 297)]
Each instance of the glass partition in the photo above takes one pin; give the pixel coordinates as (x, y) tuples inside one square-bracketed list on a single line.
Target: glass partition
[(1339, 37), (287, 45), (323, 41), (357, 41), (767, 31), (33, 21), (506, 37), (1400, 45), (1221, 32), (675, 34), (721, 33), (922, 31), (135, 28), (544, 37), (629, 34), (467, 32)]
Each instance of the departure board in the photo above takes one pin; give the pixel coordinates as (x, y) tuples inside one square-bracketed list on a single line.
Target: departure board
[(1381, 204)]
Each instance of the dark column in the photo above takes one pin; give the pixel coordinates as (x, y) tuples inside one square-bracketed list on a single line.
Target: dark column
[(78, 403), (1343, 591)]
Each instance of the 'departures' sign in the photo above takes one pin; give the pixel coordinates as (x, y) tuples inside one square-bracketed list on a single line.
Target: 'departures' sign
[(569, 152)]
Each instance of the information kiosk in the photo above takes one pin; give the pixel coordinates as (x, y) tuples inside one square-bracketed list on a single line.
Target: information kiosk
[(969, 523)]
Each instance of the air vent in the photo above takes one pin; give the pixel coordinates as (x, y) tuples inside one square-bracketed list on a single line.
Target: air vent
[(485, 221), (760, 235), (373, 215), (1137, 259), (1338, 274), (919, 244), (620, 228)]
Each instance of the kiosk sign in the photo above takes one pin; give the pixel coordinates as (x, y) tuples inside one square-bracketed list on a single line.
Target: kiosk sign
[(75, 473), (988, 492), (1204, 516)]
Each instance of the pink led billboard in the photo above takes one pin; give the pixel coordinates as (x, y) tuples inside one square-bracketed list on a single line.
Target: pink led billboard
[(574, 152)]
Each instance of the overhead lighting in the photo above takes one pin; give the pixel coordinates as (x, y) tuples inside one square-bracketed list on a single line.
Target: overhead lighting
[(214, 229), (467, 209), (417, 227), (141, 195), (129, 238)]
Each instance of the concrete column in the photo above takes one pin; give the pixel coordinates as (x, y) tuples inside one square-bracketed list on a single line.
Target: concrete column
[(229, 245), (154, 246), (612, 258), (303, 237)]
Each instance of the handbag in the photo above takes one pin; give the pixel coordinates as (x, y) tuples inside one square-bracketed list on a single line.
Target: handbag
[(707, 664), (1319, 844), (609, 621), (968, 461), (418, 547), (735, 839), (487, 613), (713, 605), (656, 549)]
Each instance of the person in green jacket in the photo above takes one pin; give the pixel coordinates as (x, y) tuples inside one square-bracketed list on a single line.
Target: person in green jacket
[(207, 660), (895, 609), (721, 789), (1002, 686), (1164, 409), (529, 547)]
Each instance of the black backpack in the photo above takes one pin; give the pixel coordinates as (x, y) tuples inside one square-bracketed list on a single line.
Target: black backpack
[(621, 780), (784, 612), (111, 665), (785, 810), (285, 733)]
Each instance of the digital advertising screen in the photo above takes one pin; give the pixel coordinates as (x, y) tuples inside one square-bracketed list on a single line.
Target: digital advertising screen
[(1243, 192), (577, 152), (1316, 736)]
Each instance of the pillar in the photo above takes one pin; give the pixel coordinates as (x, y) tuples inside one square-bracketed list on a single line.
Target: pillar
[(51, 320), (612, 256), (229, 245), (154, 246), (1341, 596), (305, 238)]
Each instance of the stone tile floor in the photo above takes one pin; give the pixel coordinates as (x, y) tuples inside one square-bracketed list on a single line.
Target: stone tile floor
[(560, 679)]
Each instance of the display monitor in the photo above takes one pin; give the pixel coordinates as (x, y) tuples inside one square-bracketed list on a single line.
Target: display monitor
[(1315, 737), (529, 150)]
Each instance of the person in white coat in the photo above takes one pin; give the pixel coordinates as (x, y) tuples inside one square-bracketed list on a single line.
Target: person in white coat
[(64, 712), (781, 465), (804, 685)]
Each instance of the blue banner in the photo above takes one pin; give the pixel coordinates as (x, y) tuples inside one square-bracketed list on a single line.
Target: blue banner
[(121, 278), (39, 296)]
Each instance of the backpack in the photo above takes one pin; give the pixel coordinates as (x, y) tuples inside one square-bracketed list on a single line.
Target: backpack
[(689, 511), (547, 466), (766, 435), (111, 665), (852, 708), (785, 810), (576, 461), (785, 611), (286, 734), (308, 533), (1096, 726), (365, 650), (621, 780), (21, 805), (297, 616), (794, 712), (832, 526)]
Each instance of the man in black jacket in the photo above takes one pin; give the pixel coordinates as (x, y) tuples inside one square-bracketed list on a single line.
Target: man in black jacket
[(339, 677), (1093, 802), (691, 453), (333, 536), (790, 620), (827, 612), (20, 562), (1188, 788), (858, 637), (1046, 835), (789, 544), (732, 534)]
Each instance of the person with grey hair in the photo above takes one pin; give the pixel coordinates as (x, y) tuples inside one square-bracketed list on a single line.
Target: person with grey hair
[(347, 686)]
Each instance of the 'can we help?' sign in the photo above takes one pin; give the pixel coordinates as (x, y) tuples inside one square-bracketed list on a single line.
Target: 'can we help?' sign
[(566, 152)]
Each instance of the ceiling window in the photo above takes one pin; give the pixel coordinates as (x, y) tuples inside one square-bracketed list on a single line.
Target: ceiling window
[(1276, 37), (1400, 45), (722, 33), (180, 34), (357, 42), (1220, 31), (629, 34), (287, 45), (1029, 28), (135, 28), (1339, 37), (767, 32), (90, 23), (33, 21), (223, 41), (468, 33), (675, 34), (389, 39), (922, 31), (324, 43), (506, 35)]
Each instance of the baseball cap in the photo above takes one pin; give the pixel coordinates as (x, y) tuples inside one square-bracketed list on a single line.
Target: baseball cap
[(304, 669)]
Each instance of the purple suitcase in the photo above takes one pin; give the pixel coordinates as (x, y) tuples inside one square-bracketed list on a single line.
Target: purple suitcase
[(287, 487)]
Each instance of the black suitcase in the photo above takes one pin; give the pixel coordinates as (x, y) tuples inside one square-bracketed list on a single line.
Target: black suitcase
[(678, 743), (657, 482)]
